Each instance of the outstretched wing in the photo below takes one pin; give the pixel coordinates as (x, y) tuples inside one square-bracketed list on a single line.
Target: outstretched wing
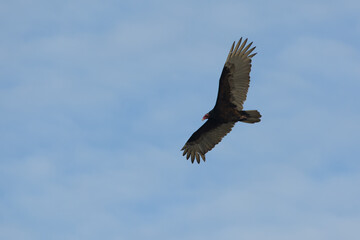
[(235, 77), (205, 138)]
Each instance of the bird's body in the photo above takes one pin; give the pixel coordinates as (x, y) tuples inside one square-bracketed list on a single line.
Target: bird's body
[(233, 87)]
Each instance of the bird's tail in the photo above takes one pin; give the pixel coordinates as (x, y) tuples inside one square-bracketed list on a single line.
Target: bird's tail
[(251, 116)]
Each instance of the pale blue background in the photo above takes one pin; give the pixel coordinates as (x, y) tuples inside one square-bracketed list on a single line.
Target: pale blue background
[(98, 97)]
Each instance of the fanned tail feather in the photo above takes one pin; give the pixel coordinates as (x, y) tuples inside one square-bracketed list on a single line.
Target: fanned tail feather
[(252, 116)]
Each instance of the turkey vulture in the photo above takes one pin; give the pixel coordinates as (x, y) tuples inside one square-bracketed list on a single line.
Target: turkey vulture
[(233, 87)]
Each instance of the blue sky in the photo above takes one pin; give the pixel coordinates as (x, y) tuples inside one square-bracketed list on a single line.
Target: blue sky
[(98, 97)]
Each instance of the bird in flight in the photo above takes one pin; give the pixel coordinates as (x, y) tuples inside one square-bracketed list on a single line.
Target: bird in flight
[(233, 88)]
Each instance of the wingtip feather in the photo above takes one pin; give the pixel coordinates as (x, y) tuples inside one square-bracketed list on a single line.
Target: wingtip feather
[(230, 52), (250, 56), (236, 48), (192, 157), (247, 47), (243, 44), (232, 47)]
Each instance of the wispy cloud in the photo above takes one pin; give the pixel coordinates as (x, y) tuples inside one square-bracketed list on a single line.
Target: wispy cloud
[(97, 98)]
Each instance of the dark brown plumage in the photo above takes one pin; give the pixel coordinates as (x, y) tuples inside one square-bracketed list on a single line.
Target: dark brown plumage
[(233, 88)]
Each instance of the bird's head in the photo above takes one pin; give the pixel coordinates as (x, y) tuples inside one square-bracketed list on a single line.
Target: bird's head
[(206, 116)]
